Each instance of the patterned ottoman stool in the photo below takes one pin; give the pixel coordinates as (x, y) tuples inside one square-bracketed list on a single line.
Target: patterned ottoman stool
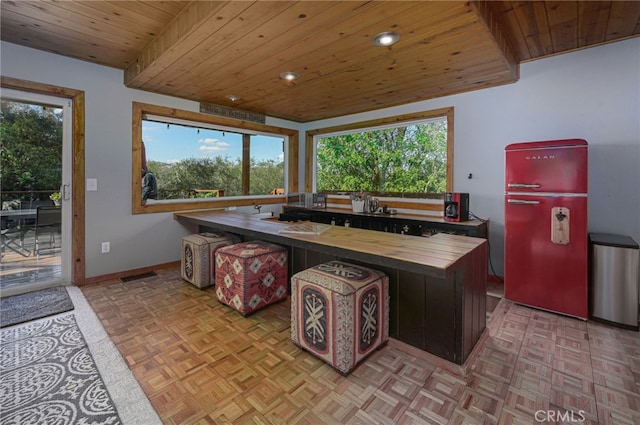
[(198, 251), (251, 275), (340, 312)]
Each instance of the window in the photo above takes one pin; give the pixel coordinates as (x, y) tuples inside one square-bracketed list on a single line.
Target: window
[(410, 154), (205, 161), (192, 161)]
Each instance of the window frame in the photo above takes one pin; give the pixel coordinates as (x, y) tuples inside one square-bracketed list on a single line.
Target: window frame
[(140, 110), (397, 120)]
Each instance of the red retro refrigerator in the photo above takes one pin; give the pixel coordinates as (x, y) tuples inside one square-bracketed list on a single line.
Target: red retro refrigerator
[(545, 234)]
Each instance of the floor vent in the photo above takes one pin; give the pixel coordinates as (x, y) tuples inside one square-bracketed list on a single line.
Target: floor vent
[(138, 276)]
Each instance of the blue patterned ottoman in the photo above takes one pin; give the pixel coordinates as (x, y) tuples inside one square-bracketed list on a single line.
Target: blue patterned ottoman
[(197, 257), (251, 275), (340, 312)]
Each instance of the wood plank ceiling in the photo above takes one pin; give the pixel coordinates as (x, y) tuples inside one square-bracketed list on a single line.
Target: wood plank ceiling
[(209, 50)]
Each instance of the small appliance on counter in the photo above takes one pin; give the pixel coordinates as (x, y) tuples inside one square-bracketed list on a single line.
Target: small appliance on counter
[(296, 199), (307, 200), (456, 206), (319, 200), (385, 210)]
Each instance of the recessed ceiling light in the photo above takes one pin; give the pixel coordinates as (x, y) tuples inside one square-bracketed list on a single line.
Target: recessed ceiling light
[(233, 97), (386, 38), (289, 76)]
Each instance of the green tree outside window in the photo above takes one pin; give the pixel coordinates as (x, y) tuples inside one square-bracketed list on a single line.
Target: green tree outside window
[(30, 148), (410, 158)]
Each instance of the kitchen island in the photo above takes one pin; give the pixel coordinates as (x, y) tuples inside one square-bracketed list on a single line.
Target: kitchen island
[(437, 285)]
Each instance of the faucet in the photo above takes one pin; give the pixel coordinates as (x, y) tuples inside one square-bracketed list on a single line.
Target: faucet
[(257, 207)]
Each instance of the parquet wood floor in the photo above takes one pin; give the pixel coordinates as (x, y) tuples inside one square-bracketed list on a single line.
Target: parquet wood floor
[(200, 362)]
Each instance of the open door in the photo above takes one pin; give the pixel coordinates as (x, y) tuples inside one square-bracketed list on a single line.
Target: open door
[(38, 173)]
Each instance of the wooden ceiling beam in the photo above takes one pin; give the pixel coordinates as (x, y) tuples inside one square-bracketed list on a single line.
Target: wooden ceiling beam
[(189, 28), (485, 14)]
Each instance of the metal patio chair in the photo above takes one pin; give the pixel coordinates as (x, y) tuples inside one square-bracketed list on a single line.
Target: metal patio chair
[(48, 221), (11, 237)]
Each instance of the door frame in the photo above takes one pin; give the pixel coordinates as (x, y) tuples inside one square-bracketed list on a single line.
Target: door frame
[(77, 165)]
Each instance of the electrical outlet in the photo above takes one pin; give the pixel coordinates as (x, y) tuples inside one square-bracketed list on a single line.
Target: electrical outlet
[(106, 247)]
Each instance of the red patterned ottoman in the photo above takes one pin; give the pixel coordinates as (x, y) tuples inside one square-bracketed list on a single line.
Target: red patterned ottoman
[(340, 312), (198, 251), (251, 275)]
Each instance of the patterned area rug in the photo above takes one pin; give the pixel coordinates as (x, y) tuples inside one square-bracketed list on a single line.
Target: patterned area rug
[(34, 305), (48, 376)]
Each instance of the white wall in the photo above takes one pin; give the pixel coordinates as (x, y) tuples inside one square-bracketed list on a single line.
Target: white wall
[(593, 94), (136, 240)]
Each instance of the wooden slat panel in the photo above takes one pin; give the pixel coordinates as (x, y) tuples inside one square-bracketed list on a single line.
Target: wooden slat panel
[(532, 17), (334, 65), (205, 50), (503, 11), (563, 24), (335, 70), (316, 103), (108, 33), (621, 19), (460, 64), (68, 23), (551, 27), (317, 48), (493, 26), (250, 38), (592, 22), (78, 47), (128, 15), (190, 28)]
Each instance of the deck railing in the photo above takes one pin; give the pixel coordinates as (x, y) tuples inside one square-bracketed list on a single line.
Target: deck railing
[(10, 199)]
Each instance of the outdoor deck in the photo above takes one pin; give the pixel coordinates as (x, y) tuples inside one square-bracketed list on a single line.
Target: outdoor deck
[(16, 270)]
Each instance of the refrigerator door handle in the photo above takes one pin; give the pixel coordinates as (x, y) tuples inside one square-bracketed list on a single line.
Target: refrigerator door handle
[(522, 202), (523, 186)]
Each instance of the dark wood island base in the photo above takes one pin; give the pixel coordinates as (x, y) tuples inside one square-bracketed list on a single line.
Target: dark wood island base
[(437, 285)]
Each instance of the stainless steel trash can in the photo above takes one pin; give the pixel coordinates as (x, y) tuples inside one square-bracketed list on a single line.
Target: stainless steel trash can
[(614, 262)]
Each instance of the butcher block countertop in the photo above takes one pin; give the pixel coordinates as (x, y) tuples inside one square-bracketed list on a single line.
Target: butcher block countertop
[(437, 255)]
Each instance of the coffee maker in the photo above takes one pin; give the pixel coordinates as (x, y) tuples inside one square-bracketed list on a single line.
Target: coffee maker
[(456, 206)]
